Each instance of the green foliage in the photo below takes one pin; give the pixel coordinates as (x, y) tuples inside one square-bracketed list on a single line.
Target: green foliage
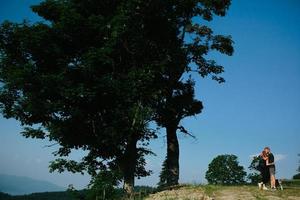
[(75, 76), (144, 190), (190, 42), (103, 186), (225, 169), (4, 196), (296, 176), (254, 165), (292, 183), (43, 196), (76, 194), (95, 73), (299, 164), (163, 176), (86, 194), (254, 176)]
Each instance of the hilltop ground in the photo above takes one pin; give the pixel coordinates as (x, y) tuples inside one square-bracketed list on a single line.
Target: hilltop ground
[(225, 193)]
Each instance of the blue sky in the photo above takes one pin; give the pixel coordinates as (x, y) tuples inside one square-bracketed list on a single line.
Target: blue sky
[(257, 106)]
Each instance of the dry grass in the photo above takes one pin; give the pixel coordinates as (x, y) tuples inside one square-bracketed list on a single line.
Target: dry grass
[(209, 192)]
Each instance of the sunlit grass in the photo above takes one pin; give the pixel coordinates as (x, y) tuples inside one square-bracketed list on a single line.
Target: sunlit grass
[(236, 192)]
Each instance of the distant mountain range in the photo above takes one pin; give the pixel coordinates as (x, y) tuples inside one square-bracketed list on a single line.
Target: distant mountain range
[(17, 185)]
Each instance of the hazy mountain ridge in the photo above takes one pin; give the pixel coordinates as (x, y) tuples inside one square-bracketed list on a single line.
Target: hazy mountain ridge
[(17, 185)]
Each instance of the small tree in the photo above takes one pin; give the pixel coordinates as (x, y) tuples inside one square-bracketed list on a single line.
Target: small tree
[(103, 185), (225, 169), (297, 176), (163, 176), (254, 176)]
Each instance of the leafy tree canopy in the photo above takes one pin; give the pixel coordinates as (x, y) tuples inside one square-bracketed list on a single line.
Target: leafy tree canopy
[(225, 169), (95, 73), (86, 76)]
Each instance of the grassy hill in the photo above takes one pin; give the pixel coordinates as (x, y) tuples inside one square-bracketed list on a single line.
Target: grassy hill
[(183, 192), (210, 192)]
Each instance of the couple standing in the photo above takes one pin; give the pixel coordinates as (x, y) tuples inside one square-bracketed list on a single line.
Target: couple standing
[(267, 169)]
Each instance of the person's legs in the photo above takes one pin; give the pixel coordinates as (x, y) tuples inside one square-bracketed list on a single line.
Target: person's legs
[(265, 177), (272, 177), (260, 183), (273, 181)]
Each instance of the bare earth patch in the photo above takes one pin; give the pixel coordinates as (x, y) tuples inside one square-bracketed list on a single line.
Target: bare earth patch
[(233, 193), (180, 194)]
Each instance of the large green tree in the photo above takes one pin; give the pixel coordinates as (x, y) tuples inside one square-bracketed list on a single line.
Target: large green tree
[(85, 78), (225, 169), (95, 73)]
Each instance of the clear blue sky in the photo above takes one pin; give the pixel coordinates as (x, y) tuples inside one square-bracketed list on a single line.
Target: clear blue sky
[(257, 106)]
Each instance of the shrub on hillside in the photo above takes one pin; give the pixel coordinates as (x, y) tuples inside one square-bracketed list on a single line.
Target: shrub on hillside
[(103, 186), (296, 176)]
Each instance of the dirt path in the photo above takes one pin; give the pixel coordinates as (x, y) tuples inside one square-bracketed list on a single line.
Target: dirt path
[(233, 194), (180, 194)]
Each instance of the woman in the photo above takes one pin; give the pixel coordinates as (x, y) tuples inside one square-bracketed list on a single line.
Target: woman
[(264, 170)]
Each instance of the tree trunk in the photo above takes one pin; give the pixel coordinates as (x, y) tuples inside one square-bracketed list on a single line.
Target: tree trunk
[(172, 155), (129, 165)]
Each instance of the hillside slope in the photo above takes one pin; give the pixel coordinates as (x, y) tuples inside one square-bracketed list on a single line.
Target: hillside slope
[(225, 193), (17, 185)]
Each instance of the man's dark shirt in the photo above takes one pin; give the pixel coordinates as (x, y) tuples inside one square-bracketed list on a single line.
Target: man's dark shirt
[(271, 160)]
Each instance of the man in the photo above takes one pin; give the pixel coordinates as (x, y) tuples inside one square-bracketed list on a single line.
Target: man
[(271, 165)]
